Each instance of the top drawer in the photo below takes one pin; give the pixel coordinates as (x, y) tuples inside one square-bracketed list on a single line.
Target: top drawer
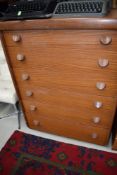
[(60, 37)]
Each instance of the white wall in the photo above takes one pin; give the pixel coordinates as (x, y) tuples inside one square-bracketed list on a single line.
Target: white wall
[(4, 71)]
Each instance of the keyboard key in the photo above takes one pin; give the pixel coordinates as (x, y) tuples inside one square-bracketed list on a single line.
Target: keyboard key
[(79, 7)]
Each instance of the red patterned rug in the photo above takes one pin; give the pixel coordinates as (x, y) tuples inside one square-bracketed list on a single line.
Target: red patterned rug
[(25, 154)]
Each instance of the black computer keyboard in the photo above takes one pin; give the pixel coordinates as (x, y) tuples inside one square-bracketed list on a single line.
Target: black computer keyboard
[(27, 9), (36, 9), (70, 8), (26, 6)]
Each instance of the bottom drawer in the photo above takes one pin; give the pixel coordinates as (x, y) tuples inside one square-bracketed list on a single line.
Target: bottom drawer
[(68, 129)]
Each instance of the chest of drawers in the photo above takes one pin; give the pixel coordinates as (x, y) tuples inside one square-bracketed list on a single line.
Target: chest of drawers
[(66, 80)]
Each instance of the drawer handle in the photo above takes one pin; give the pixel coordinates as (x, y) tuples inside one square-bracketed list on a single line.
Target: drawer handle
[(105, 40), (36, 122), (103, 62), (33, 108), (96, 120), (98, 104), (16, 38), (94, 135), (20, 57), (29, 93), (100, 85), (25, 77)]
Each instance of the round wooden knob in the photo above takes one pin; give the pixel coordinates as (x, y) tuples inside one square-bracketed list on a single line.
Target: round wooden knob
[(98, 104), (100, 85), (96, 120), (16, 38), (103, 62), (94, 135), (33, 108), (105, 40), (25, 77), (20, 57), (36, 122), (29, 93)]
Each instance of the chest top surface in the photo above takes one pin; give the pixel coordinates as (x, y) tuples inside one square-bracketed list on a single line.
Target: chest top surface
[(107, 22)]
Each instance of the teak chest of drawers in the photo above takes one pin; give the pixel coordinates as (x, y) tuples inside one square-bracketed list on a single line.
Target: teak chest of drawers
[(66, 79)]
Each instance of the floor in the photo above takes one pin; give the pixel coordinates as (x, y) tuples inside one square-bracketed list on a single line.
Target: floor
[(9, 124)]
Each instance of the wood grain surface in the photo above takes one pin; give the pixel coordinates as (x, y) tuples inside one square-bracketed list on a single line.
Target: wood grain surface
[(80, 108), (103, 23), (61, 60), (69, 128), (36, 38)]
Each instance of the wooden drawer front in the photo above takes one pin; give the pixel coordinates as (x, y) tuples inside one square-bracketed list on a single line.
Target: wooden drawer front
[(72, 106), (67, 78), (60, 38), (101, 60), (68, 128)]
